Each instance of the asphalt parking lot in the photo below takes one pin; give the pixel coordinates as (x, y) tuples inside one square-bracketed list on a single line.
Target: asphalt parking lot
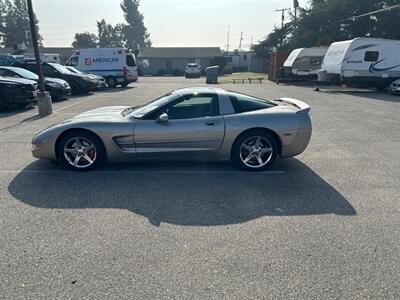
[(322, 225)]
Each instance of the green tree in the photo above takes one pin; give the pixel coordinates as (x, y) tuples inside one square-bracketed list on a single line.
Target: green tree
[(15, 24), (108, 35), (85, 40), (278, 39), (2, 16), (327, 21), (135, 32)]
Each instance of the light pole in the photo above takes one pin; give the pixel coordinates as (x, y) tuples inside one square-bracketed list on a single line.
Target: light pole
[(44, 99)]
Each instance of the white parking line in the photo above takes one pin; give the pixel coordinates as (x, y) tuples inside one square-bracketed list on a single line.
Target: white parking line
[(147, 172)]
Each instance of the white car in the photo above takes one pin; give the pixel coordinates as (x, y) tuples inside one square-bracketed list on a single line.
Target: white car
[(192, 70), (394, 87)]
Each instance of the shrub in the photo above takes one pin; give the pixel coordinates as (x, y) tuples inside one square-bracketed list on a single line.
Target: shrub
[(176, 72), (228, 70), (161, 72)]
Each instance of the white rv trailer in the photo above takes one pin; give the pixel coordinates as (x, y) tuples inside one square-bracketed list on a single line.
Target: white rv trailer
[(305, 61), (362, 61)]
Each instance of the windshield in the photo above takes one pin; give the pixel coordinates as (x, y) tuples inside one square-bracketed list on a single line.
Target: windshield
[(25, 73), (139, 112), (60, 68)]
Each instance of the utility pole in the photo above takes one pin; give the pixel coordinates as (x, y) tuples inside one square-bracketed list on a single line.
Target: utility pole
[(227, 43), (296, 6), (44, 99), (283, 14), (241, 40)]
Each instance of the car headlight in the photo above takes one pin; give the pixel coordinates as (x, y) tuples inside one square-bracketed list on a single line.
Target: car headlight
[(54, 85)]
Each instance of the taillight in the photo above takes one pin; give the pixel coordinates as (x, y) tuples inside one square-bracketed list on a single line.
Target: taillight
[(125, 70)]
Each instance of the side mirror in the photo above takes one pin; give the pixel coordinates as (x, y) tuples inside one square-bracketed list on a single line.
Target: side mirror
[(163, 118)]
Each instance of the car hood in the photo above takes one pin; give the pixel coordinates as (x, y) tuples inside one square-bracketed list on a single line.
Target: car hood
[(104, 114), (55, 80), (16, 80)]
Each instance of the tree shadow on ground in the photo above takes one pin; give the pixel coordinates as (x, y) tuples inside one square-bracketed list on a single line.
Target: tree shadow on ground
[(184, 194)]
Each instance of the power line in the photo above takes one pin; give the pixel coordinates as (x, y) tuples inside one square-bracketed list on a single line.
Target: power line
[(283, 14), (370, 13)]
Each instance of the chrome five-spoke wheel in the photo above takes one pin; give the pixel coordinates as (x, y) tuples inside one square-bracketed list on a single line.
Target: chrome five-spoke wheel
[(256, 152), (80, 152)]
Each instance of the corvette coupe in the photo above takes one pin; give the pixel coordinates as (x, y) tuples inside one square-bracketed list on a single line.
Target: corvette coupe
[(187, 124)]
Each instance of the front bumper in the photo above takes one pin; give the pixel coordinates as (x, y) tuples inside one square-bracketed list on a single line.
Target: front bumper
[(59, 93), (88, 86)]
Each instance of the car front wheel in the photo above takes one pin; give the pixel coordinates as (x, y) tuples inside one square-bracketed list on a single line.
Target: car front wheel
[(81, 151), (255, 151)]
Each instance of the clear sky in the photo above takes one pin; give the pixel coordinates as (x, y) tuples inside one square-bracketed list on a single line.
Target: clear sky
[(185, 23)]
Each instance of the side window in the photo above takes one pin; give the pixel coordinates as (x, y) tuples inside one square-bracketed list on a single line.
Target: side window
[(371, 56), (316, 61), (244, 103), (73, 61), (130, 61), (11, 74), (3, 72), (49, 71), (30, 67), (190, 107)]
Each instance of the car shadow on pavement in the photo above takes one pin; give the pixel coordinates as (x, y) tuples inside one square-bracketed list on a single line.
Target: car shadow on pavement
[(184, 194)]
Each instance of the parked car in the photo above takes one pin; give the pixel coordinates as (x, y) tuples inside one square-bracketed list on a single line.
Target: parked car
[(117, 65), (58, 88), (101, 82), (192, 70), (188, 124), (17, 92), (394, 87), (79, 83)]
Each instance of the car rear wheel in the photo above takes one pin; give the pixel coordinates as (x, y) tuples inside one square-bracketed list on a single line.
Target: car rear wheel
[(81, 151), (255, 151), (111, 82)]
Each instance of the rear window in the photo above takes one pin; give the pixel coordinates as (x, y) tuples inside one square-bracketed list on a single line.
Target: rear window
[(243, 103), (130, 61), (193, 65)]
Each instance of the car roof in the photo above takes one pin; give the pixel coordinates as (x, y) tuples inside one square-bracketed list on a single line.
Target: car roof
[(201, 90)]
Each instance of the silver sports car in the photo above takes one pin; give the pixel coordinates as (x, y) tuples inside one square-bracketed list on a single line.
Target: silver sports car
[(186, 124)]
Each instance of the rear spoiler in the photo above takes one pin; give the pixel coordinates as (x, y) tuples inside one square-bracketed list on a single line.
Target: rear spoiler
[(303, 107)]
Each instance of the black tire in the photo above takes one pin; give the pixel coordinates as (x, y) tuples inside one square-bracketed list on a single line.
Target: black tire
[(112, 82), (98, 157), (124, 85), (267, 138), (75, 88)]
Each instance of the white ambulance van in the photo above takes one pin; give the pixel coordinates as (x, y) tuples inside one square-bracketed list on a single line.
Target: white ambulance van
[(116, 65)]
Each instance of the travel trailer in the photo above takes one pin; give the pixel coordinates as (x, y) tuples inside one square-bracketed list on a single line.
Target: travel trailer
[(304, 62), (362, 61), (116, 65)]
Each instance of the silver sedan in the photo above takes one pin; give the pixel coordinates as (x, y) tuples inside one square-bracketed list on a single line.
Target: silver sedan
[(186, 124)]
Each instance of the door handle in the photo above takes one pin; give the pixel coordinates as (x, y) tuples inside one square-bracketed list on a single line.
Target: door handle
[(211, 123)]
